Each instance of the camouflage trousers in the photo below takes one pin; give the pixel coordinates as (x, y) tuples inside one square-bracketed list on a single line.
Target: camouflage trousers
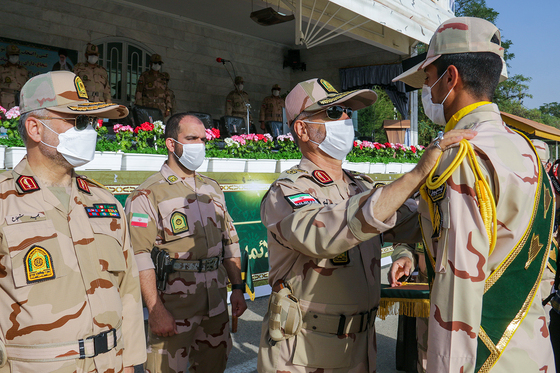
[(203, 341)]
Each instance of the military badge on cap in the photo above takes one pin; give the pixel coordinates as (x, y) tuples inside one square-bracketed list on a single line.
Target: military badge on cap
[(179, 222), (38, 265), (82, 185), (103, 210), (80, 88), (341, 259), (322, 177), (327, 86), (301, 200), (27, 184)]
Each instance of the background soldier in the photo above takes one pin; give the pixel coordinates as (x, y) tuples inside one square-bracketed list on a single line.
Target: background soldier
[(95, 77), (181, 218), (323, 234), (151, 89), (271, 112), (236, 100), (13, 76), (169, 95), (69, 290)]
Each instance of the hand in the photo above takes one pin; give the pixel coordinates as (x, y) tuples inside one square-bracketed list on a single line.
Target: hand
[(129, 369), (432, 153), (161, 322), (238, 305), (400, 267)]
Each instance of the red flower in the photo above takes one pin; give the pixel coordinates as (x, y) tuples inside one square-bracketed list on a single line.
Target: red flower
[(146, 126), (413, 148), (216, 132)]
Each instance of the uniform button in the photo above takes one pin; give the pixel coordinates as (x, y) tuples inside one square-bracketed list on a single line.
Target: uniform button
[(314, 328), (315, 316)]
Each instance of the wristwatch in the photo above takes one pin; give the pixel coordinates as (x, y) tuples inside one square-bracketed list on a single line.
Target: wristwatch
[(238, 287)]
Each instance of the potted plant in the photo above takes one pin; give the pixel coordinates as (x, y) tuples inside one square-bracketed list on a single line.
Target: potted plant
[(144, 147), (108, 156), (12, 148)]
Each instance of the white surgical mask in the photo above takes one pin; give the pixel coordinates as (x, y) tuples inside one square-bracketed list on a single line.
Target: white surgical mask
[(93, 59), (13, 59), (77, 147), (193, 155), (339, 139), (434, 111), (276, 93), (156, 66)]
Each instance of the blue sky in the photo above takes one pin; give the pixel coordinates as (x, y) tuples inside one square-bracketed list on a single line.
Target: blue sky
[(534, 28)]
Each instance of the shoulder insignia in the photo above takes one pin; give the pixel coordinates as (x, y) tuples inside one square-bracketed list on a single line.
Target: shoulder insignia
[(437, 194), (27, 184), (82, 185), (103, 210), (38, 265), (139, 220), (322, 177), (172, 178), (179, 222), (80, 88), (341, 259), (301, 200)]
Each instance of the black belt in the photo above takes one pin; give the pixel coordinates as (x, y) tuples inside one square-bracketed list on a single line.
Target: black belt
[(339, 324)]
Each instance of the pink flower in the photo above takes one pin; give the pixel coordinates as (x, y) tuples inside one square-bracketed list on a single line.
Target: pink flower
[(12, 113), (2, 110), (238, 139)]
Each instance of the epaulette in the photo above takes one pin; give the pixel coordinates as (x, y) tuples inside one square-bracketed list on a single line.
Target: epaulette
[(359, 176), (293, 174), (83, 183)]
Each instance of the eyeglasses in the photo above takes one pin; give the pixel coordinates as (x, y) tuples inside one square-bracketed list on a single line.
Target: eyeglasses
[(82, 121), (335, 112)]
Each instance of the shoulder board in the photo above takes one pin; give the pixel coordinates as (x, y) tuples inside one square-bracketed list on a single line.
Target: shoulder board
[(359, 176), (293, 174), (84, 182)]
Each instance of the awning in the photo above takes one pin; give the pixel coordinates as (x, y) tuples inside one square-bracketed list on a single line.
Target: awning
[(532, 127)]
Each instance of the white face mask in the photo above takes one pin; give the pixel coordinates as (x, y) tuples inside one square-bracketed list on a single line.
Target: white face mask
[(434, 111), (339, 139), (156, 67), (276, 93), (77, 147), (13, 59), (193, 155), (93, 59), (240, 87)]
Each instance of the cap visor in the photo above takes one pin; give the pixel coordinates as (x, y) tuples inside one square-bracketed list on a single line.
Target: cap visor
[(356, 100), (98, 109), (415, 76)]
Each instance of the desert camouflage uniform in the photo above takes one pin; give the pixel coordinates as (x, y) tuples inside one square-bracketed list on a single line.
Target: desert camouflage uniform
[(197, 301), (12, 79), (328, 248), (271, 109), (151, 91), (463, 263), (95, 80), (94, 286), (235, 106)]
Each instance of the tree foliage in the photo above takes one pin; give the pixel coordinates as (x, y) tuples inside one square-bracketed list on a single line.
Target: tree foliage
[(370, 119)]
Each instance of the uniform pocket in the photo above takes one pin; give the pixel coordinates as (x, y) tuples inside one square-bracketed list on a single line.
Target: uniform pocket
[(321, 350), (108, 242), (177, 222), (36, 254)]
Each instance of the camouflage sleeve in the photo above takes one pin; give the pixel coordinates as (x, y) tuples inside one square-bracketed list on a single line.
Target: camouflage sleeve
[(407, 230), (107, 88), (168, 103), (322, 231), (230, 239), (401, 250), (139, 89), (142, 219), (263, 109), (133, 316), (229, 104)]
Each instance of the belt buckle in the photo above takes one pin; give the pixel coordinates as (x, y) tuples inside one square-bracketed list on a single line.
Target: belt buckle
[(100, 345)]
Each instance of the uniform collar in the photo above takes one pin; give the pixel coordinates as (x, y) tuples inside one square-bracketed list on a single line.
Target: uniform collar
[(168, 174), (461, 113)]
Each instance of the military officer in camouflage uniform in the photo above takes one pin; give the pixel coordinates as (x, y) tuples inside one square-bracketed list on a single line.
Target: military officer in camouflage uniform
[(487, 220), (94, 76), (70, 294), (151, 89), (324, 240), (237, 100), (271, 112), (181, 213), (12, 77)]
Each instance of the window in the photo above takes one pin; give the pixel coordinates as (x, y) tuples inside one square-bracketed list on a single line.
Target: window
[(125, 61)]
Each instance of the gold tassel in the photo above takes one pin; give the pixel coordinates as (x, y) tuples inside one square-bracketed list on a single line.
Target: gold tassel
[(402, 306)]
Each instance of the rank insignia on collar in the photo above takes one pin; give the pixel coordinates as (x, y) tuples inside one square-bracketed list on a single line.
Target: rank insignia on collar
[(341, 259), (301, 199), (179, 222), (103, 210), (172, 178), (438, 193), (322, 177), (82, 185), (38, 265), (27, 184)]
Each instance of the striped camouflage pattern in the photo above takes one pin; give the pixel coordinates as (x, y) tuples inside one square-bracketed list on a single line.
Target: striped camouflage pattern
[(95, 285), (191, 297), (462, 259), (304, 243)]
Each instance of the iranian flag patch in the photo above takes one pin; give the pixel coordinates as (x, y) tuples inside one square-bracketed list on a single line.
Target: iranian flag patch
[(300, 200), (139, 220)]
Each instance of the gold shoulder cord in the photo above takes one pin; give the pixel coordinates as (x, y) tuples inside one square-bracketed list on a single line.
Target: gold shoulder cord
[(486, 203)]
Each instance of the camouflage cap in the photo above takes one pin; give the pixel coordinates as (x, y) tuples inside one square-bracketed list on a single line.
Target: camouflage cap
[(12, 50), (542, 150), (457, 35), (64, 92), (155, 58), (92, 49), (276, 86), (315, 94), (239, 79)]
